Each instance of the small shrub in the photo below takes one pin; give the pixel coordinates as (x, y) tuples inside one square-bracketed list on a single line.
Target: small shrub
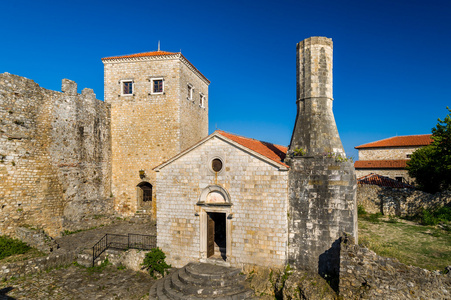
[(154, 261), (10, 246), (99, 268), (361, 210), (299, 152), (434, 217)]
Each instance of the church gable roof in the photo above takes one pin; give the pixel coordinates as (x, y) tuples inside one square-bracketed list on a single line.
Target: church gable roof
[(274, 152), (271, 153)]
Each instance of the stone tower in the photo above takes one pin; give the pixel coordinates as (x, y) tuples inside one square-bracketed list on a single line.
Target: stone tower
[(159, 107), (322, 183)]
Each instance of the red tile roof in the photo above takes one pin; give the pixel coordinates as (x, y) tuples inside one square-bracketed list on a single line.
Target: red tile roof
[(379, 180), (274, 152), (156, 53), (152, 53), (381, 164), (400, 141)]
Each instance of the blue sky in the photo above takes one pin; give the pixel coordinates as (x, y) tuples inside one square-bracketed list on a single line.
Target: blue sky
[(391, 58)]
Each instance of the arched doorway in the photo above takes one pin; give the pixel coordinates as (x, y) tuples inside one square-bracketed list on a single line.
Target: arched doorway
[(215, 224), (144, 194)]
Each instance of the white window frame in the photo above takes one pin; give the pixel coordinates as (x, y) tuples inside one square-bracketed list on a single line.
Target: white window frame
[(190, 92), (201, 100), (151, 82), (122, 87)]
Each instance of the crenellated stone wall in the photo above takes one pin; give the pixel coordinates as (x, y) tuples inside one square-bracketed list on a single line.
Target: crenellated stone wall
[(54, 150)]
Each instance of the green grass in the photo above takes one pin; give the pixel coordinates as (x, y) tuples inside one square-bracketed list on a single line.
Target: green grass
[(411, 243), (10, 246)]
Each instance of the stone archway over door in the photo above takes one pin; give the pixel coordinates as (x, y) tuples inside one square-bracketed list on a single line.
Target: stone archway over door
[(215, 223), (144, 192)]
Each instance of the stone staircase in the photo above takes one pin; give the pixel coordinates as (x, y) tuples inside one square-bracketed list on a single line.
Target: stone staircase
[(202, 281)]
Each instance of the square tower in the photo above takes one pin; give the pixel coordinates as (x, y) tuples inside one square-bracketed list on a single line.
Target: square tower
[(159, 107)]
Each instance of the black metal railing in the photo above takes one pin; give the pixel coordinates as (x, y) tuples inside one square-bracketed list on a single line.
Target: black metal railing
[(123, 242)]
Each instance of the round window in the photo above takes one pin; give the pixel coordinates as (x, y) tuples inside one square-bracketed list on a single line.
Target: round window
[(216, 165)]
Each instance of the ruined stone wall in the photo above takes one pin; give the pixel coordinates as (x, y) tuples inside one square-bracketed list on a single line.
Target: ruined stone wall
[(55, 149), (149, 128), (257, 216), (386, 153), (366, 275), (398, 202)]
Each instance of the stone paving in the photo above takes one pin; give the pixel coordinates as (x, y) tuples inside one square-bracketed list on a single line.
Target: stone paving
[(87, 239), (75, 282)]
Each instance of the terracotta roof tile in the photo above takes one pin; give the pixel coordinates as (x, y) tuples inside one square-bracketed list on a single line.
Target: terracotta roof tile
[(152, 53), (155, 53), (274, 152), (379, 180), (400, 141), (381, 164)]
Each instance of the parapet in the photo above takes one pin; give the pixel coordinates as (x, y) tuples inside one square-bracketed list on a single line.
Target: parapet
[(69, 87)]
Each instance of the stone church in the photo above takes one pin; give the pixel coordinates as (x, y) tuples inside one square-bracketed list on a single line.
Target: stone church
[(68, 159)]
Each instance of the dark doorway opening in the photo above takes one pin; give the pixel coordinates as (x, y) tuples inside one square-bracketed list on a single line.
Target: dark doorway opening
[(144, 194), (216, 235)]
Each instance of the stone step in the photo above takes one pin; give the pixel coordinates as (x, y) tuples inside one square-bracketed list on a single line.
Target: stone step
[(153, 291), (210, 272), (187, 279), (197, 283), (156, 292), (160, 292), (206, 289)]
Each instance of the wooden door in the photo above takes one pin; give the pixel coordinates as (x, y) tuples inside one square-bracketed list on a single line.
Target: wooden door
[(210, 236)]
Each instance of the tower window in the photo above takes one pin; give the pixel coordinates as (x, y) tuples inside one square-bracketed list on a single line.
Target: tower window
[(157, 86), (202, 100), (127, 87), (190, 92)]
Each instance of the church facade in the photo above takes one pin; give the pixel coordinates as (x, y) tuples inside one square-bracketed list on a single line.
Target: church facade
[(225, 199)]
